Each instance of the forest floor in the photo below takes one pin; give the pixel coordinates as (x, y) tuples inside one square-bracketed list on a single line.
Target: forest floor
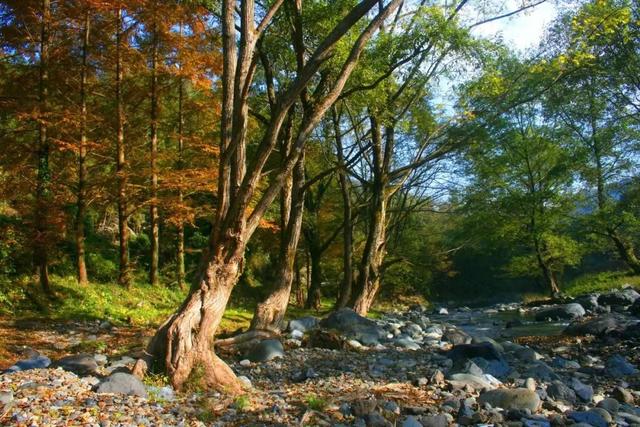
[(407, 379)]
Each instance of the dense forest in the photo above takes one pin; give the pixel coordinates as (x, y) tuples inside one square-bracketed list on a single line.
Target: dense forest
[(326, 153)]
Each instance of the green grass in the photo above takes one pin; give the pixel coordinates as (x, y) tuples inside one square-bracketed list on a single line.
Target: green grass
[(141, 305), (600, 282), (316, 403)]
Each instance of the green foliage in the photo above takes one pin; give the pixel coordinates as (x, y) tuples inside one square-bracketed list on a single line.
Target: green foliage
[(600, 282), (316, 403), (241, 403)]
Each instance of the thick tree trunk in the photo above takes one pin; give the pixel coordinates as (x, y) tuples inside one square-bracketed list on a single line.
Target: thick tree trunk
[(82, 157), (184, 341), (124, 277), (184, 344), (43, 179), (374, 249), (372, 259), (269, 314), (153, 145)]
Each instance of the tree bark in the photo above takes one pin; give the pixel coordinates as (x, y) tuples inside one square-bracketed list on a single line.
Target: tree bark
[(374, 249), (269, 314), (184, 344), (82, 157), (43, 179), (153, 146), (344, 294), (180, 228), (314, 295), (124, 277), (548, 274)]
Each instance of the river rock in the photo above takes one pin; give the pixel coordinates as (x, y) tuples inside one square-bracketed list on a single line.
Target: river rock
[(460, 380), (559, 391), (588, 302), (617, 366), (463, 352), (570, 311), (518, 398), (610, 405), (623, 395), (303, 324), (598, 326), (265, 350), (589, 417), (434, 421), (583, 391), (352, 325), (635, 308), (35, 362), (6, 397), (80, 364), (411, 421), (456, 336), (624, 297), (122, 383)]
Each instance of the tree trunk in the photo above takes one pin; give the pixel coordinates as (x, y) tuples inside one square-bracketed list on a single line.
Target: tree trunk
[(184, 344), (299, 290), (82, 156), (625, 251), (43, 180), (374, 250), (269, 314), (153, 145), (124, 277), (548, 275), (314, 294), (180, 231), (344, 294)]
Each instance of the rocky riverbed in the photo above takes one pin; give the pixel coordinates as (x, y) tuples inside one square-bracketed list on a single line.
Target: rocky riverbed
[(571, 363)]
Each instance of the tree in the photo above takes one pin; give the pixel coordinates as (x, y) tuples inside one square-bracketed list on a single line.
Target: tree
[(184, 342)]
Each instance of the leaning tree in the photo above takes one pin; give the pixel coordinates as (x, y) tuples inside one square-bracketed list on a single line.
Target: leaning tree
[(184, 343)]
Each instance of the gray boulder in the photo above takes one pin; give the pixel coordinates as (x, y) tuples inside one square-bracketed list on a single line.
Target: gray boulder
[(80, 364), (304, 324), (635, 308), (570, 311), (456, 336), (122, 383), (617, 366), (589, 417), (598, 326), (621, 297), (518, 399), (588, 302), (265, 350), (557, 390), (35, 362), (461, 380), (583, 391), (352, 325)]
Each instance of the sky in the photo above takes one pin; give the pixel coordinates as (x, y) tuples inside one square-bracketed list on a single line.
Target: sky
[(521, 31)]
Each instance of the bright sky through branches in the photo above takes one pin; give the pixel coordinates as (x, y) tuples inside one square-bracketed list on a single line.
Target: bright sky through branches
[(523, 30)]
